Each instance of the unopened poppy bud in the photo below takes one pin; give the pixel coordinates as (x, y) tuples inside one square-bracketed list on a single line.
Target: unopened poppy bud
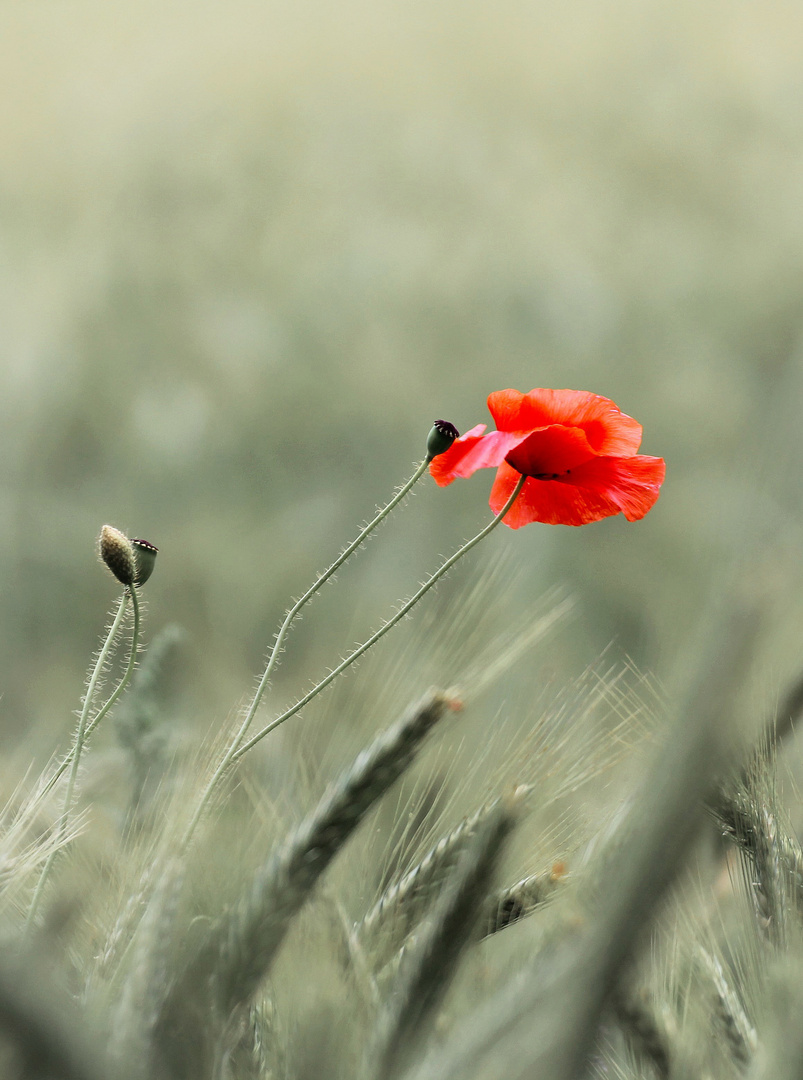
[(117, 552), (145, 558), (441, 437)]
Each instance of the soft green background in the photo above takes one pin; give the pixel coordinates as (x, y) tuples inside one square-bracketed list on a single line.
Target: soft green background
[(249, 251)]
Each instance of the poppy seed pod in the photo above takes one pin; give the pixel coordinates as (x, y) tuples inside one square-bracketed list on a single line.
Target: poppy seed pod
[(117, 552), (440, 438), (145, 558)]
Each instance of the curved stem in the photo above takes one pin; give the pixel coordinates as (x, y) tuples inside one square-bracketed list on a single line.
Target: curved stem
[(85, 727), (380, 633), (321, 580), (289, 618), (67, 760), (132, 659)]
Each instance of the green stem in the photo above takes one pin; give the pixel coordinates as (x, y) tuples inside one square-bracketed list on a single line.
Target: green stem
[(289, 618), (65, 763), (85, 727), (313, 589), (129, 671), (380, 633)]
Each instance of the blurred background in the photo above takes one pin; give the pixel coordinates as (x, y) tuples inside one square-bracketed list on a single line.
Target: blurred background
[(249, 251)]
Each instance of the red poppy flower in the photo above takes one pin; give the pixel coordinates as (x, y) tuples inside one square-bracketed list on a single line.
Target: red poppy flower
[(577, 450)]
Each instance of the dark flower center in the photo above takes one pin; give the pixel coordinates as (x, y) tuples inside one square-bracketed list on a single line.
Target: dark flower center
[(550, 453)]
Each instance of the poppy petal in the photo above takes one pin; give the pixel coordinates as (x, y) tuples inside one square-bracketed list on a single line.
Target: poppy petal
[(547, 501), (506, 479), (473, 451), (608, 430), (632, 483), (551, 450), (598, 489)]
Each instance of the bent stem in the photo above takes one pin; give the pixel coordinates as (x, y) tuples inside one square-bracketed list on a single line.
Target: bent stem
[(129, 671), (380, 633), (93, 723), (289, 618), (85, 728)]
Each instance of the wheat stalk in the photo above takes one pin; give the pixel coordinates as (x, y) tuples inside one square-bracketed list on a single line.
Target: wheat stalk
[(429, 964), (240, 946)]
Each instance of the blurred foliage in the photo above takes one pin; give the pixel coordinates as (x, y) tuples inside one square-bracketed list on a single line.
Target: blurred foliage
[(250, 251)]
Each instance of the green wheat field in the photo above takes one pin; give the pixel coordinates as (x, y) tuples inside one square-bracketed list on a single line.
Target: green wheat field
[(547, 828)]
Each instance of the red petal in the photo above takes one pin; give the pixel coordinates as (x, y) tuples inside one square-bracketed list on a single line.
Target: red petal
[(473, 451), (446, 467), (632, 483), (598, 489), (547, 501), (608, 430), (552, 449)]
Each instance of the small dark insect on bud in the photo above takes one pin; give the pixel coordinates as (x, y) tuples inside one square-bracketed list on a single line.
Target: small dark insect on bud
[(145, 558), (441, 437), (117, 552)]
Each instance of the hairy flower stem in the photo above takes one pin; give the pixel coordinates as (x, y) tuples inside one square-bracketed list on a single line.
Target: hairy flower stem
[(129, 671), (67, 760), (380, 633), (273, 655), (85, 728)]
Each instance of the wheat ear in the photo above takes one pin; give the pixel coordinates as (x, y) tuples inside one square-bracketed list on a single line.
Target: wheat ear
[(792, 859), (145, 984), (749, 817), (739, 1032), (500, 910), (259, 1054), (642, 1028), (429, 964), (403, 904), (241, 946), (516, 902), (770, 871), (543, 1023)]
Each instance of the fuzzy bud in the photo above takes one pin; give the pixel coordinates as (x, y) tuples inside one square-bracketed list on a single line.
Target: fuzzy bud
[(117, 552), (441, 437), (145, 558)]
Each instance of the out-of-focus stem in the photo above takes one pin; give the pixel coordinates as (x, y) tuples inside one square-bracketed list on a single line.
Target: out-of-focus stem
[(84, 729)]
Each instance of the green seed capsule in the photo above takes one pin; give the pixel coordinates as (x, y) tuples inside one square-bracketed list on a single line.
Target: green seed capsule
[(441, 437), (145, 557)]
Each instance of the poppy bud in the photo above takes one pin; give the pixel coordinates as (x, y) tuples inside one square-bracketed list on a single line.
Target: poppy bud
[(117, 552), (441, 437), (145, 558)]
